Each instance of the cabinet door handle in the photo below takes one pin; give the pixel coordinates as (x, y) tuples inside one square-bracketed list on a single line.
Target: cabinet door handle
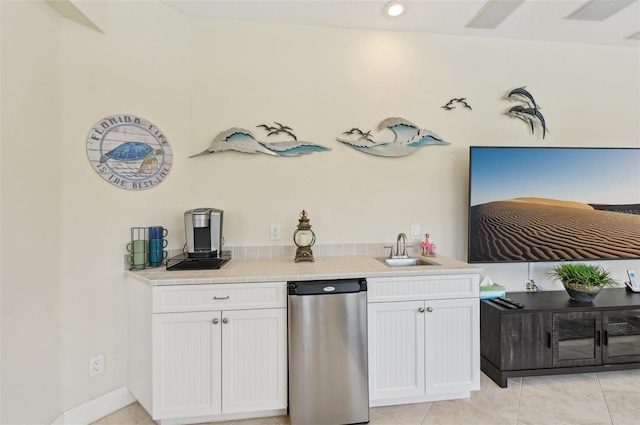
[(421, 309), (221, 298), (429, 309), (215, 321), (548, 339), (605, 337), (597, 338), (225, 320)]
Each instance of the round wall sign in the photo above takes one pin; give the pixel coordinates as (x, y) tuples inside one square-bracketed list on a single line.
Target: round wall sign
[(129, 152)]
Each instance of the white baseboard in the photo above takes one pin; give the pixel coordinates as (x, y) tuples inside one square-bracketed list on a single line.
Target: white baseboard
[(97, 408)]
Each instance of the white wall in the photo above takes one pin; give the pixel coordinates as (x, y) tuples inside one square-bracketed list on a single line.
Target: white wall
[(30, 166), (140, 67), (194, 79), (322, 82)]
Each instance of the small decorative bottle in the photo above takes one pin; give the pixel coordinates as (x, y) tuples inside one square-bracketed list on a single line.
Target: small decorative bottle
[(428, 248)]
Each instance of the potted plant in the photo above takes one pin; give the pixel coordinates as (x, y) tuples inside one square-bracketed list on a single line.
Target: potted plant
[(582, 281)]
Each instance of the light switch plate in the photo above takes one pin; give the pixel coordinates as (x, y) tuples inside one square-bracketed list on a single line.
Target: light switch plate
[(275, 232), (415, 231)]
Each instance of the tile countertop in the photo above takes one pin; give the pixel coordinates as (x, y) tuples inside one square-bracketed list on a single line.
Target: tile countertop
[(285, 269)]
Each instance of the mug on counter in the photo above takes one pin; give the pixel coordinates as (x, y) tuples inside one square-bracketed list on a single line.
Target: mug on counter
[(157, 243), (157, 232), (138, 250), (157, 254)]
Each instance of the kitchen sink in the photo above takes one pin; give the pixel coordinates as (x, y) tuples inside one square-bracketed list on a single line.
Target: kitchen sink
[(407, 262)]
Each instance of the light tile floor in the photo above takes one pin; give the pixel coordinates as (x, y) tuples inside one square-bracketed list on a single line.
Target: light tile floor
[(611, 398)]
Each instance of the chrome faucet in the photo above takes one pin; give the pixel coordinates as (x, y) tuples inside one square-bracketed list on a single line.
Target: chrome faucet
[(404, 245), (399, 254)]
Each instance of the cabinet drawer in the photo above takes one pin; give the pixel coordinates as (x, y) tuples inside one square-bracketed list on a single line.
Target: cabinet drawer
[(384, 289), (171, 299)]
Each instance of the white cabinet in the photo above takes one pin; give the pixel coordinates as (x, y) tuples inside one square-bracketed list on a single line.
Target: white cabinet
[(452, 339), (228, 361), (424, 344), (254, 360), (186, 364), (396, 350)]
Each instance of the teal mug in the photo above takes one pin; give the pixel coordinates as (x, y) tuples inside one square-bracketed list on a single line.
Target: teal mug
[(156, 252)]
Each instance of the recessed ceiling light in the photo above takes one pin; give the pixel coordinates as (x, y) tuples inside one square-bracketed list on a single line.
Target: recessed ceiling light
[(493, 13), (599, 10), (394, 8)]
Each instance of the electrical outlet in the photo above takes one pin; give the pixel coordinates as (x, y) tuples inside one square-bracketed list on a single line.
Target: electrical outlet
[(275, 232), (415, 231), (96, 365), (530, 286)]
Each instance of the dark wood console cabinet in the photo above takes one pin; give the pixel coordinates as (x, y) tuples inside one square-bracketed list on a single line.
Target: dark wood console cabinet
[(554, 334)]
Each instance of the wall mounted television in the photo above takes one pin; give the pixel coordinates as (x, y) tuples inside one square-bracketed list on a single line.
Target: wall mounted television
[(531, 204)]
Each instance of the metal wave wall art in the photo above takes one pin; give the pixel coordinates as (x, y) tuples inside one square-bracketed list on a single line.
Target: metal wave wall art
[(529, 112), (409, 138), (242, 140)]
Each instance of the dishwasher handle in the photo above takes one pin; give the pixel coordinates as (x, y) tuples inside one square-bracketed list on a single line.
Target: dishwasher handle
[(327, 287)]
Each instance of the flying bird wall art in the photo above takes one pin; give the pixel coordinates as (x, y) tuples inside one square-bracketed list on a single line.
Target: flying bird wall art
[(242, 140), (409, 138), (529, 112), (452, 104)]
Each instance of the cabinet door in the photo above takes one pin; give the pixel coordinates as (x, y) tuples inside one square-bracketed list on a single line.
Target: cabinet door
[(254, 360), (526, 341), (396, 350), (621, 339), (577, 338), (186, 364), (452, 345)]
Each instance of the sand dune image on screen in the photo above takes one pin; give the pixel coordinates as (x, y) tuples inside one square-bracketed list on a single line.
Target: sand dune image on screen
[(540, 229)]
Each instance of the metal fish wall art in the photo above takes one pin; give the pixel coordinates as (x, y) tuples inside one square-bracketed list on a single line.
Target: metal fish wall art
[(242, 140), (529, 112), (409, 138)]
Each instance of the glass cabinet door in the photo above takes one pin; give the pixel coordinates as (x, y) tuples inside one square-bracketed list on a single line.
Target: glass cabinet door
[(577, 339), (621, 336)]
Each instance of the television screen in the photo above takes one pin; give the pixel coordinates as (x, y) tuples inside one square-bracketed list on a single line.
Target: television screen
[(553, 204)]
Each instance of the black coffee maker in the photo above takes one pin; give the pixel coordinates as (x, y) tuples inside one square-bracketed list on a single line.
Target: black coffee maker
[(203, 228)]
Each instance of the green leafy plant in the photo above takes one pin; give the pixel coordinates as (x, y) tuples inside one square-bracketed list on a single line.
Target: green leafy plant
[(581, 275)]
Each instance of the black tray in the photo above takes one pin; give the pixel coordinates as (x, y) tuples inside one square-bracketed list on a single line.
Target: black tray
[(183, 262)]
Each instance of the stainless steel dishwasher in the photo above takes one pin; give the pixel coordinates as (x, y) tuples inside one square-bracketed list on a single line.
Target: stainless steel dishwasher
[(328, 372)]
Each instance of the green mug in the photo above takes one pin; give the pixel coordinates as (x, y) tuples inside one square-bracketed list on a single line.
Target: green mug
[(138, 250)]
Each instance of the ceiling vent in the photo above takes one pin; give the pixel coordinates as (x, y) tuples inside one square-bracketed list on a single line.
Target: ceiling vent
[(493, 13), (635, 36), (599, 10)]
